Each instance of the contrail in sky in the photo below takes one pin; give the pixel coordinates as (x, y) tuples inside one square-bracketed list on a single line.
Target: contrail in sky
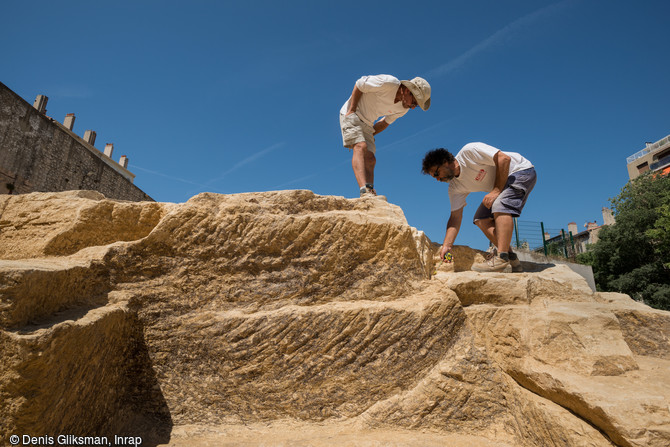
[(422, 131), (166, 176), (239, 164), (207, 184), (307, 177), (247, 160), (496, 38)]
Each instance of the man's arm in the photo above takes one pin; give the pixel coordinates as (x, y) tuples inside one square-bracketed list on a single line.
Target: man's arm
[(453, 226), (501, 161), (355, 97), (380, 125)]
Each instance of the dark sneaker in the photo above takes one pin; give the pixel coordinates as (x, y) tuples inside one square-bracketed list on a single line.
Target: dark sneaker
[(493, 264)]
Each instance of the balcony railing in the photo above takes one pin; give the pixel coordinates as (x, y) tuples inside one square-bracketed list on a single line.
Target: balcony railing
[(648, 149), (637, 155)]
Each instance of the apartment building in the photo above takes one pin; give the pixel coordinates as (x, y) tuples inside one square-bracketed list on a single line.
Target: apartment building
[(654, 157)]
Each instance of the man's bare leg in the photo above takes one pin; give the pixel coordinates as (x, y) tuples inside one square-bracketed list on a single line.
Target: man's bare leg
[(488, 227), (363, 162), (370, 161), (358, 163), (504, 224)]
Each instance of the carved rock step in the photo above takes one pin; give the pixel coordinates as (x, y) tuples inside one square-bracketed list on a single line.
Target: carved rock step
[(60, 224), (80, 375), (309, 362), (33, 290)]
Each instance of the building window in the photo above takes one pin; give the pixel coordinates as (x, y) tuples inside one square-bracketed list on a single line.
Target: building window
[(644, 167), (662, 154)]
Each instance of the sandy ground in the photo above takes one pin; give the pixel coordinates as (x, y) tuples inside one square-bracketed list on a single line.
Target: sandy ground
[(292, 434)]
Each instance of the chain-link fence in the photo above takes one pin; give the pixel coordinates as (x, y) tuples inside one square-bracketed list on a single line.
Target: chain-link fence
[(534, 236)]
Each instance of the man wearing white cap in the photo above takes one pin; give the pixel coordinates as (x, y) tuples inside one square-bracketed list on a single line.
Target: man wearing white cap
[(374, 97)]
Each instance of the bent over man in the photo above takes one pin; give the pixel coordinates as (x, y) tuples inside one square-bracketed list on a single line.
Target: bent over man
[(374, 97), (507, 177)]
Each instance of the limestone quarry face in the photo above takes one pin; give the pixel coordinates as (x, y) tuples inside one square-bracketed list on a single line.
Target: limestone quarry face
[(292, 319)]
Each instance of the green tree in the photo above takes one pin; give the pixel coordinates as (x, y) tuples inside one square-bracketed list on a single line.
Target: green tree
[(587, 257), (555, 249), (633, 255)]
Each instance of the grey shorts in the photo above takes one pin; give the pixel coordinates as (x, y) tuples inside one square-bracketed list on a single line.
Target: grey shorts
[(513, 196), (354, 131)]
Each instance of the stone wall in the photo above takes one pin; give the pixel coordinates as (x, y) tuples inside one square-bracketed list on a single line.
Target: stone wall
[(39, 154), (585, 271)]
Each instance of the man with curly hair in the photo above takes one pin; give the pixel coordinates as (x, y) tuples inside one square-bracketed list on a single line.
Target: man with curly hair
[(507, 177)]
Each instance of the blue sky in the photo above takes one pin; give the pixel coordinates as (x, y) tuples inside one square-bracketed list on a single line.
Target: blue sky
[(233, 97)]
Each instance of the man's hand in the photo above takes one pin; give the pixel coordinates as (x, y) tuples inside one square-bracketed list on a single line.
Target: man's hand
[(355, 97), (445, 254), (379, 126), (502, 161), (490, 198)]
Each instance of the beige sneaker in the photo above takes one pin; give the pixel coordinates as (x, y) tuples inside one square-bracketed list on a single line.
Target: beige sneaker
[(368, 192), (515, 263), (493, 264)]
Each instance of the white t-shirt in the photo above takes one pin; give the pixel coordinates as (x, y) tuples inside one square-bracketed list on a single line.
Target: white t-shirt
[(377, 99), (478, 171)]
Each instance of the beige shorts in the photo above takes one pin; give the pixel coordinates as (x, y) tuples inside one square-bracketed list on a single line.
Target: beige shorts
[(354, 131)]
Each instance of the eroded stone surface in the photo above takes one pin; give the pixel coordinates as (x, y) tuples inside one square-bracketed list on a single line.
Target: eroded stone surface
[(288, 318), (60, 224)]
